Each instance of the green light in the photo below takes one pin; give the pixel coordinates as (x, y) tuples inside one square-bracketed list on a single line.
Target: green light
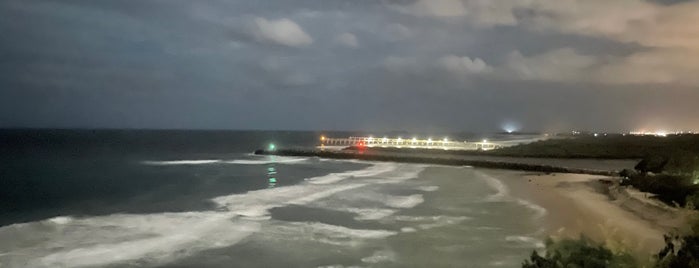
[(272, 147), (273, 180)]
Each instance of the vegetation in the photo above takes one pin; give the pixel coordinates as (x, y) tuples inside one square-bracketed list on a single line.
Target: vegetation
[(612, 147), (672, 178), (581, 253), (671, 173), (681, 147), (667, 188), (679, 252)]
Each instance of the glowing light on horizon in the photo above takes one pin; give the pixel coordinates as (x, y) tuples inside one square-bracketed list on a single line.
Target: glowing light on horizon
[(659, 133), (510, 127)]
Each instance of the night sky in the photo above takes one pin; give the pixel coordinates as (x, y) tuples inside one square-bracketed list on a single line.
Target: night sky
[(423, 65)]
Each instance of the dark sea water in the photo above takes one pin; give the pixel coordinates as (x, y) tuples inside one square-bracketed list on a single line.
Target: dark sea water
[(200, 199)]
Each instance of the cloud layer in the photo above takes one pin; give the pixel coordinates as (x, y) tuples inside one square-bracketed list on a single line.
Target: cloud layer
[(467, 64), (282, 31)]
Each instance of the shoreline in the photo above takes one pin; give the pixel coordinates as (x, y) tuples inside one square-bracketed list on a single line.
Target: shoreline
[(582, 204), (578, 201)]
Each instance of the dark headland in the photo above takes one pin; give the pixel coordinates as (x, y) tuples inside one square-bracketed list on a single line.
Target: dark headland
[(371, 155)]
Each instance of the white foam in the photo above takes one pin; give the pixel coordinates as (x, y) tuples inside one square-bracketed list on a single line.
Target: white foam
[(380, 256), (501, 190), (267, 160), (181, 162), (525, 241), (488, 228), (408, 230), (374, 170), (441, 221), (60, 220), (502, 193), (334, 231), (428, 188), (258, 203), (404, 201), (151, 239), (290, 234), (155, 239), (430, 222), (371, 213), (539, 210)]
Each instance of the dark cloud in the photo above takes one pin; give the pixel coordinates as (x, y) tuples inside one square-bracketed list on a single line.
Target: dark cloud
[(319, 64)]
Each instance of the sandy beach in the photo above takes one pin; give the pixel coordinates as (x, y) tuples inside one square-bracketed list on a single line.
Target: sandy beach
[(580, 204)]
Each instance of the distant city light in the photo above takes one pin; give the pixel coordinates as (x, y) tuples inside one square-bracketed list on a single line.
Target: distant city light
[(272, 147), (446, 140), (510, 127), (659, 133), (322, 138), (485, 141), (414, 140)]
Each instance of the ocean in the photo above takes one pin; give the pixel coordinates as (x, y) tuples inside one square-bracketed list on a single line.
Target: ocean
[(130, 198)]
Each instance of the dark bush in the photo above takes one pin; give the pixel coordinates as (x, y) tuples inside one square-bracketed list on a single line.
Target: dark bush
[(680, 251), (581, 253), (668, 188), (654, 163)]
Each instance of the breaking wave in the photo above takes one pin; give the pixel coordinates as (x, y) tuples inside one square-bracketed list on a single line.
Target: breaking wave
[(181, 162), (160, 238), (525, 241), (376, 169), (267, 160), (539, 210), (501, 190)]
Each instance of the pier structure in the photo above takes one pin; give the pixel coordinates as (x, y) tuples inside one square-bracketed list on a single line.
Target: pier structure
[(414, 143)]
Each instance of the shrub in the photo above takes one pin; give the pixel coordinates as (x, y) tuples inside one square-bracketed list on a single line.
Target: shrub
[(668, 188), (581, 253), (680, 251)]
